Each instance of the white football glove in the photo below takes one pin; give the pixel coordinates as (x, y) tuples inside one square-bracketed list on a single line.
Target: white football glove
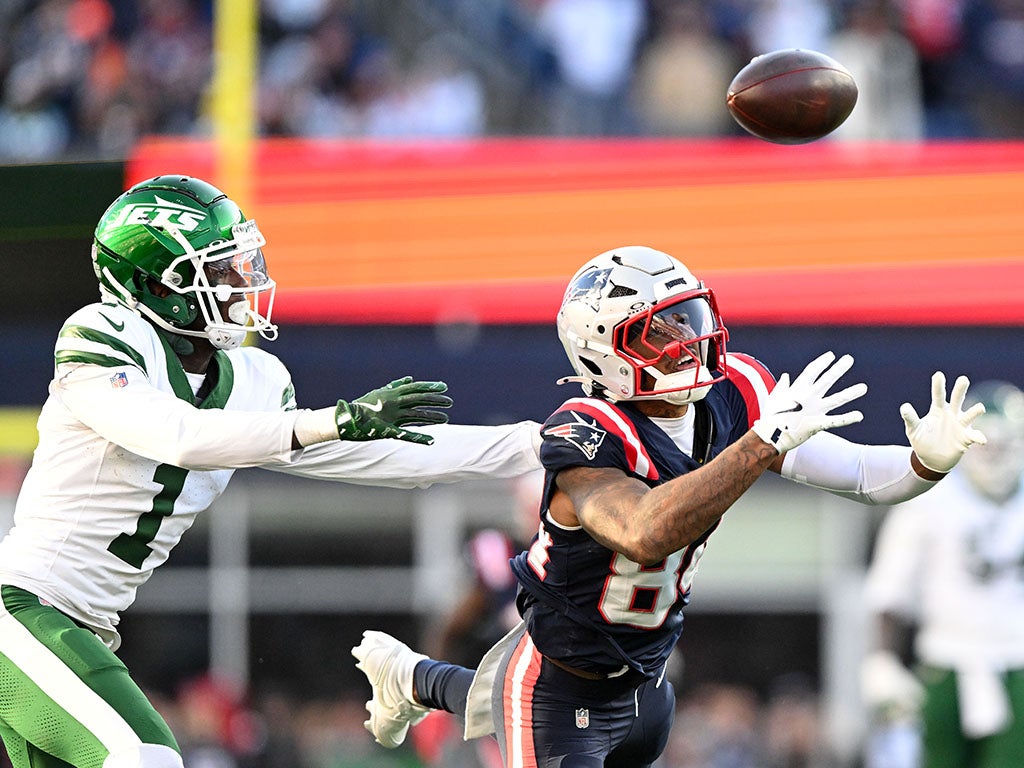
[(888, 687), (794, 412), (945, 433)]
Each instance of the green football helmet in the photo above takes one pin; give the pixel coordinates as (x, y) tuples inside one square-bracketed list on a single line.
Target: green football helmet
[(179, 251), (997, 467)]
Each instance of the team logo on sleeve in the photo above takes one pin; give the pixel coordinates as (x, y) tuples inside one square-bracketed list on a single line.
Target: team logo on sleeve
[(586, 436)]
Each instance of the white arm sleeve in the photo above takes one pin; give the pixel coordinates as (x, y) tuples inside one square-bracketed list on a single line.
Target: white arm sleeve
[(460, 452), (872, 474), (161, 427)]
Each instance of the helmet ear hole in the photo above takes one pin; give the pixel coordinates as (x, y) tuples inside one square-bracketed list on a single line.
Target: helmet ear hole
[(591, 366), (174, 308)]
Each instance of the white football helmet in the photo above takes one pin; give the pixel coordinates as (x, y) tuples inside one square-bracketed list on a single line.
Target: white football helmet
[(996, 468), (637, 325)]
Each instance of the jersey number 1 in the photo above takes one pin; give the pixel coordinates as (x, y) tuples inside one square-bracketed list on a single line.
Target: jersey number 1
[(134, 548)]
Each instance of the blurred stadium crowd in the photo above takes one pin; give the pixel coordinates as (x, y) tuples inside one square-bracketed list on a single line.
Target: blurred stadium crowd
[(83, 79), (718, 726)]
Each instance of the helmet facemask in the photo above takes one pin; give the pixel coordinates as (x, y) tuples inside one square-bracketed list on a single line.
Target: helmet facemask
[(674, 348), (226, 271), (200, 282)]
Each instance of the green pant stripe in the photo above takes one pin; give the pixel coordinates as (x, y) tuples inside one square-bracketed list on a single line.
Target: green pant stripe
[(88, 659), (26, 710)]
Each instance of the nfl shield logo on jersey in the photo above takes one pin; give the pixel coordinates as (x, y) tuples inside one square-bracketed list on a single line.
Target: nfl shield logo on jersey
[(119, 380), (582, 718)]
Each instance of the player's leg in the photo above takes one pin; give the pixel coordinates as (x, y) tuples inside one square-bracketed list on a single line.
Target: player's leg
[(943, 743), (1006, 748), (68, 696), (647, 738), (389, 665), (441, 685), (24, 755), (550, 718), (16, 746)]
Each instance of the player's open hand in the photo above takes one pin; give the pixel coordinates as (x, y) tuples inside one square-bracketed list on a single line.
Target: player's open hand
[(795, 411), (383, 413), (945, 433)]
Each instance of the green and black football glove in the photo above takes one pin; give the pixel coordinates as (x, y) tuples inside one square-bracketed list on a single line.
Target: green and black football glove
[(383, 413)]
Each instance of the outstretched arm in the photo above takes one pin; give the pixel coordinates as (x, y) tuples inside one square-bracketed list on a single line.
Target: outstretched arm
[(647, 524), (890, 474), (459, 452)]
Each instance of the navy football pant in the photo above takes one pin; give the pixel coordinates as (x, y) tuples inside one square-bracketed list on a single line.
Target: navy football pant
[(549, 718)]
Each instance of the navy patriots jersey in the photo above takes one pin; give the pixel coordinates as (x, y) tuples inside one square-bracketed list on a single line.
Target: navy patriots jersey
[(591, 607)]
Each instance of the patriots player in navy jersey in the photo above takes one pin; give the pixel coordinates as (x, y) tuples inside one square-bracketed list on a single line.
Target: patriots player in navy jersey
[(671, 431)]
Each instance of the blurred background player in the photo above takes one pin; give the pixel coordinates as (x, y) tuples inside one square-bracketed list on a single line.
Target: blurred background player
[(951, 565), (155, 401), (672, 430)]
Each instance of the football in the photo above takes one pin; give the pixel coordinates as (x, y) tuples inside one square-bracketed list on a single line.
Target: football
[(792, 96)]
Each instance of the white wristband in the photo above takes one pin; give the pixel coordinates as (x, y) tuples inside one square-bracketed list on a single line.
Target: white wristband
[(319, 426)]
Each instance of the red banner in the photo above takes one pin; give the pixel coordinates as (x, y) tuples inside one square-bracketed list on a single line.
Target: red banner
[(492, 230)]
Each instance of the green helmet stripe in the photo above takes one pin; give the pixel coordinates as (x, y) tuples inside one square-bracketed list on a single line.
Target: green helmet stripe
[(99, 337)]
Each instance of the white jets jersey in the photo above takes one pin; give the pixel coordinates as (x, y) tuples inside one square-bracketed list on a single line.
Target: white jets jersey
[(954, 562), (107, 498), (128, 456)]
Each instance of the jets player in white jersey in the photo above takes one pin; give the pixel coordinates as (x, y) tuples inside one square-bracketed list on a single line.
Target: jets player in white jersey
[(153, 405), (951, 565)]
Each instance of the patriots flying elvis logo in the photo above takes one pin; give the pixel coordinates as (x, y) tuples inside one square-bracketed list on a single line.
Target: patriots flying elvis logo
[(588, 286), (586, 436)]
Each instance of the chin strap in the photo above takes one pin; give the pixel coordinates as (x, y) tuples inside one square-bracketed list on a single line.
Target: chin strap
[(591, 388), (224, 339)]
